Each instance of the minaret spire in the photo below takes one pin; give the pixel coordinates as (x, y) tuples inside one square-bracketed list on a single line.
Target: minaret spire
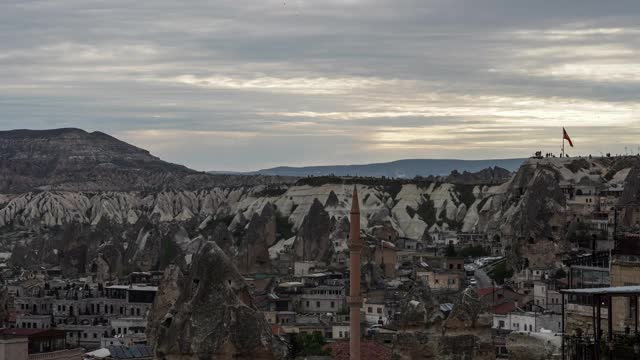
[(354, 300)]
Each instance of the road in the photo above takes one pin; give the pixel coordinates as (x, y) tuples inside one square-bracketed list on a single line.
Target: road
[(484, 281)]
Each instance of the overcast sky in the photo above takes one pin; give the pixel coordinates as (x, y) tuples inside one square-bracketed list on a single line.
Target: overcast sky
[(243, 85)]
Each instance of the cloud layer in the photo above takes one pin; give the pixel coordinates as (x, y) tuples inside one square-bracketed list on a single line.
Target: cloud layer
[(242, 85)]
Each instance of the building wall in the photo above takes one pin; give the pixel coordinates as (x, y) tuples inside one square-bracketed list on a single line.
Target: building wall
[(310, 303), (271, 316), (374, 313), (625, 271), (340, 331), (531, 322), (33, 305), (301, 268), (14, 349), (389, 258), (88, 336), (128, 326), (580, 317), (323, 299), (546, 298), (442, 280), (33, 321)]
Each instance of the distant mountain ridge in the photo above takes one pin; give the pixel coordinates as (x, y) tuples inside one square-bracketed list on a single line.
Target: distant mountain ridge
[(408, 168), (72, 159)]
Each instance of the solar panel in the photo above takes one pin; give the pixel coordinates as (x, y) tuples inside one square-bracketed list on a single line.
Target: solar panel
[(135, 352), (145, 350)]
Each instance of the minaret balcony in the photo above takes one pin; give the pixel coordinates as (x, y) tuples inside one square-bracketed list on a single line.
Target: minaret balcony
[(354, 300)]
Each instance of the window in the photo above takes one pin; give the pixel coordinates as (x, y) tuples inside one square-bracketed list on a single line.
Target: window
[(307, 304), (317, 304), (450, 266), (379, 310), (340, 334), (369, 309), (84, 335), (95, 336), (501, 324), (333, 304)]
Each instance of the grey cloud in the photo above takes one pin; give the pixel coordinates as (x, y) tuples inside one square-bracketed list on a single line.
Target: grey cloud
[(416, 66)]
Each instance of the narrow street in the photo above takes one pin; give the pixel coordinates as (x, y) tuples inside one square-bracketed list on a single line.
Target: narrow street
[(484, 281)]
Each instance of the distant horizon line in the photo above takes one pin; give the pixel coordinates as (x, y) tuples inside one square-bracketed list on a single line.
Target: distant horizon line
[(366, 164)]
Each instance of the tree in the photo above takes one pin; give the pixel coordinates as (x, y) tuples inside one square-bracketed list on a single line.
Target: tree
[(560, 274), (308, 345), (451, 251), (501, 272), (473, 251)]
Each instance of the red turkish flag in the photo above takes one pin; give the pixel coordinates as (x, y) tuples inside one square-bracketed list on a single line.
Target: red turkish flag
[(566, 137)]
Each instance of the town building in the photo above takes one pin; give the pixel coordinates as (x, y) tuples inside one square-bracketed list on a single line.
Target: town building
[(323, 299), (528, 321), (375, 311), (546, 295)]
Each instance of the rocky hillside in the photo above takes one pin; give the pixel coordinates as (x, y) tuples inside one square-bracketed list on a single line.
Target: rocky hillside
[(75, 160), (263, 227), (254, 224), (259, 226), (533, 214)]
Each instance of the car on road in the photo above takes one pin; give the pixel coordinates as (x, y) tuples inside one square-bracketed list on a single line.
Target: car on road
[(371, 330)]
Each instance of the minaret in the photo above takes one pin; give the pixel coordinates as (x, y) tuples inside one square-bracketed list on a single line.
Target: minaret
[(354, 300)]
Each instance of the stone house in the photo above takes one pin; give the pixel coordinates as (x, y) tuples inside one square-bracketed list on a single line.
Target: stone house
[(546, 296), (323, 299)]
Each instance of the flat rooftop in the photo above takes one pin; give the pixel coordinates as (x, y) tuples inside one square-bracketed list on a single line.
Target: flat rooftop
[(617, 290), (133, 287)]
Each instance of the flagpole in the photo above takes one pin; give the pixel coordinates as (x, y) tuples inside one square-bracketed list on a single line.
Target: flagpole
[(562, 142)]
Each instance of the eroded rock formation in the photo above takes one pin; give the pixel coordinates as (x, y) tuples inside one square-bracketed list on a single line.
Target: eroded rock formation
[(212, 315), (312, 242)]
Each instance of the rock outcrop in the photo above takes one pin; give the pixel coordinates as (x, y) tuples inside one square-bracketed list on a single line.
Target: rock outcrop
[(260, 234), (213, 315), (419, 308), (312, 242)]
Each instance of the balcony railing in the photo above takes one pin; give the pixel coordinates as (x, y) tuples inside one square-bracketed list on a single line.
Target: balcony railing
[(72, 354)]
